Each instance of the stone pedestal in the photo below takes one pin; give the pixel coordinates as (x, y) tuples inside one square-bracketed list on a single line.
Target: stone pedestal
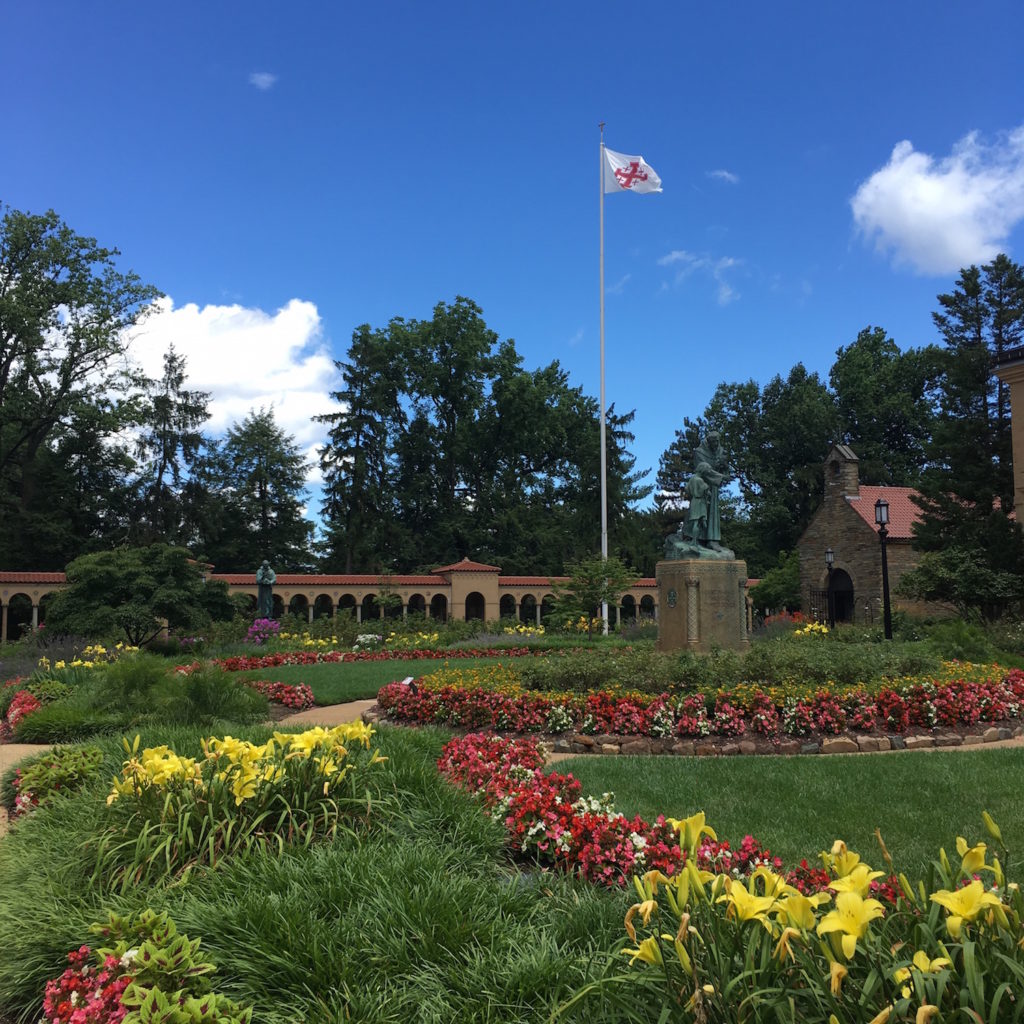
[(702, 604)]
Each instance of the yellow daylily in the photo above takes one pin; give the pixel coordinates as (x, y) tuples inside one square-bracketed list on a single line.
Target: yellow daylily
[(925, 1013), (783, 947), (797, 910), (851, 918), (644, 909), (972, 860), (991, 827), (858, 880), (841, 859), (648, 951), (882, 1016), (924, 965), (964, 905), (836, 974), (745, 905), (691, 829)]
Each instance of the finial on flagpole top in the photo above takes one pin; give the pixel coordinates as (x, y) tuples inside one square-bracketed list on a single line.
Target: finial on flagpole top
[(600, 124)]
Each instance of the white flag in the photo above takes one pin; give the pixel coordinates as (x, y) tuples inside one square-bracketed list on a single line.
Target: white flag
[(629, 174)]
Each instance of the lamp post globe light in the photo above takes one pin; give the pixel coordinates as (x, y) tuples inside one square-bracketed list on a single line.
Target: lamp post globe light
[(882, 520), (830, 557)]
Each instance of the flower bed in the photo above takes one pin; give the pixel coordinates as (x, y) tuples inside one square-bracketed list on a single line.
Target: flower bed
[(484, 699), (843, 948), (294, 697), (549, 823), (243, 662)]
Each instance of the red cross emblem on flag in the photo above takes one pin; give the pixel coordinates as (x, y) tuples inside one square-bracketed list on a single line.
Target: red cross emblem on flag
[(627, 175)]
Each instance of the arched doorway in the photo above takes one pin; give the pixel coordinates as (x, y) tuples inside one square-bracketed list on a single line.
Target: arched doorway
[(371, 609), (278, 607), (475, 606), (628, 607), (322, 607), (841, 592), (417, 605), (19, 616), (528, 610), (647, 607), (299, 606), (507, 606), (439, 608)]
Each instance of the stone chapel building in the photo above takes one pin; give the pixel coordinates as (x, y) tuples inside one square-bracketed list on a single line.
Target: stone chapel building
[(845, 522)]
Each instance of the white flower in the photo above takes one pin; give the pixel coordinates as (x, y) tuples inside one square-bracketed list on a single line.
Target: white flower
[(129, 957)]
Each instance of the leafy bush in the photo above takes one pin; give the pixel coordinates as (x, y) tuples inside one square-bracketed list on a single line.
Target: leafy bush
[(958, 640), (37, 781), (149, 970)]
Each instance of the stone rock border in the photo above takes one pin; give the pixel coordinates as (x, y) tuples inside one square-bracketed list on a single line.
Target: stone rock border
[(726, 746)]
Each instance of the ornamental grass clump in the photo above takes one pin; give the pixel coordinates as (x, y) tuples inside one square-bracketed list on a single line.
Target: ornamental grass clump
[(172, 814), (711, 947)]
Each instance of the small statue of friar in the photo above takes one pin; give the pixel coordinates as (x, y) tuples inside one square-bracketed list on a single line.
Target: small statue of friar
[(265, 580)]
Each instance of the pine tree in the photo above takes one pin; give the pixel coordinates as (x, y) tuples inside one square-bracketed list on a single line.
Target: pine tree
[(169, 446), (259, 479), (358, 459)]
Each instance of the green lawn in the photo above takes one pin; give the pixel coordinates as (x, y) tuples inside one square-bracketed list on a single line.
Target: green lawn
[(357, 680), (799, 805)]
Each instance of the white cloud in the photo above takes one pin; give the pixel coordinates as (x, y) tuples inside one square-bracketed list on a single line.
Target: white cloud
[(619, 286), (938, 215), (576, 338), (247, 359), (262, 80), (724, 175), (688, 263)]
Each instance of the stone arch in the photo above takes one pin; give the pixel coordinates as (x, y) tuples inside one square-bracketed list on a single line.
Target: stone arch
[(371, 607), (840, 591), (347, 604), (439, 608), (393, 609), (528, 610), (44, 600), (417, 605), (299, 605), (278, 607), (547, 607), (507, 606), (476, 606), (647, 607), (19, 615), (323, 607), (628, 607)]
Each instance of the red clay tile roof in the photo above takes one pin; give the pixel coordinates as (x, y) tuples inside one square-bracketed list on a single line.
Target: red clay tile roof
[(242, 579), (903, 513), (32, 577), (530, 581), (467, 566)]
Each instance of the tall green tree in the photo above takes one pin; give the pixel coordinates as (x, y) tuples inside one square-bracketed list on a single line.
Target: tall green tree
[(169, 447), (593, 581), (966, 493), (259, 477), (445, 446), (65, 309), (884, 397), (358, 460)]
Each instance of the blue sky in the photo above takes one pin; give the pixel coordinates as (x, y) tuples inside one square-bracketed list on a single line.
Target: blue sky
[(285, 172)]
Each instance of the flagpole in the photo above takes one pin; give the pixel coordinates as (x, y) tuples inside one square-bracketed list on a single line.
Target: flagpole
[(604, 450)]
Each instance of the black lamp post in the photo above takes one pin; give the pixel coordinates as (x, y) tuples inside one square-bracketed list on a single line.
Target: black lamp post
[(830, 557), (882, 519)]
